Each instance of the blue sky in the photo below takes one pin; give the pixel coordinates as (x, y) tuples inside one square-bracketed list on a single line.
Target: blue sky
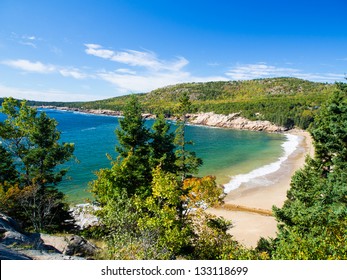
[(80, 50)]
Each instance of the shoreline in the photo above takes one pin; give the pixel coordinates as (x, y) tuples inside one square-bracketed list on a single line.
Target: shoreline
[(249, 206), (289, 147)]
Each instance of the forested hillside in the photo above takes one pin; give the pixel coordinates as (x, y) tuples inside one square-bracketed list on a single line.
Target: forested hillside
[(284, 101)]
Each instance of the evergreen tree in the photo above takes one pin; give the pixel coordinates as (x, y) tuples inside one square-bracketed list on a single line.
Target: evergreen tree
[(8, 172), (32, 139), (187, 161), (312, 221), (133, 149), (329, 131), (162, 146), (131, 171), (132, 136)]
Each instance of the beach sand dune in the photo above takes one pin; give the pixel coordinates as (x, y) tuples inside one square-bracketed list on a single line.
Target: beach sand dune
[(249, 206)]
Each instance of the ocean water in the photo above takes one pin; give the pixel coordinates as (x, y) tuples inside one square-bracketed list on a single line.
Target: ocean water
[(232, 156)]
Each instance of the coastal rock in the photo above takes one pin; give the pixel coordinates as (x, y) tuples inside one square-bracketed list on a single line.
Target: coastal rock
[(87, 111), (16, 244), (8, 224), (78, 246), (9, 254), (233, 121), (47, 255), (100, 112), (11, 233), (148, 116), (84, 215)]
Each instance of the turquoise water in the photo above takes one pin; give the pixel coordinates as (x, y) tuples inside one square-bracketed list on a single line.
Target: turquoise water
[(225, 152)]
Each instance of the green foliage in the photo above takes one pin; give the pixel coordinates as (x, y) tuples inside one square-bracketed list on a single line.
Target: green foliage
[(165, 226), (8, 172), (162, 146), (212, 242), (158, 215), (140, 150), (284, 101), (39, 209), (163, 213), (132, 135), (125, 239), (186, 161), (330, 131), (31, 140), (312, 222)]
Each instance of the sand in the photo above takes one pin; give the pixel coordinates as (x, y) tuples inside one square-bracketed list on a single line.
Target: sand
[(249, 206)]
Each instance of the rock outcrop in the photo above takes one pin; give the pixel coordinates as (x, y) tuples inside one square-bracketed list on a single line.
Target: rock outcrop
[(86, 111), (78, 246), (16, 244), (11, 233), (233, 121), (84, 215)]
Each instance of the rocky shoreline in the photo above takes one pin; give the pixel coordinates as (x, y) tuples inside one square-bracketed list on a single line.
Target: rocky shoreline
[(86, 111), (231, 121), (16, 244)]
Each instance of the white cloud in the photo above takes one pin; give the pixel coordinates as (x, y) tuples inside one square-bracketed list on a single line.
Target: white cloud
[(149, 81), (46, 95), (31, 38), (145, 70), (27, 40), (262, 70), (146, 59), (30, 44), (39, 67), (94, 49), (73, 72), (29, 66), (322, 77), (126, 71), (259, 70)]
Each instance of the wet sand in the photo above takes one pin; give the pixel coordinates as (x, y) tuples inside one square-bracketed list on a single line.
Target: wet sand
[(249, 206)]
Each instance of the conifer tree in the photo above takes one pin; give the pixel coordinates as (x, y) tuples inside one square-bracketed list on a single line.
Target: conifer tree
[(32, 140), (187, 161), (162, 146), (313, 219), (133, 149)]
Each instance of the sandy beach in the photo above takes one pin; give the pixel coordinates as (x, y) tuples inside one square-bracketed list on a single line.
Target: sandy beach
[(249, 206)]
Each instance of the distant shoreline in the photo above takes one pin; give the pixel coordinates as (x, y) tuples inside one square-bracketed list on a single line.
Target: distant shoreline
[(210, 119)]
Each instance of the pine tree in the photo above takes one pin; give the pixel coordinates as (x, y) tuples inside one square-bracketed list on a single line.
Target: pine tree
[(312, 221), (131, 171), (187, 161), (132, 136), (8, 172), (329, 131), (162, 146), (32, 140)]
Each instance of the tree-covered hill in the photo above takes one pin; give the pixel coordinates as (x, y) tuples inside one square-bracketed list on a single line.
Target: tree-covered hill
[(284, 101)]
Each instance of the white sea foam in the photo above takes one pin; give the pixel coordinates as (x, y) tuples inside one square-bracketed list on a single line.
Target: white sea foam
[(89, 128), (288, 146)]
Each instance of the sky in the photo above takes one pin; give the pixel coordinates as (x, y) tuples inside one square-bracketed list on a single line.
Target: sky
[(81, 50)]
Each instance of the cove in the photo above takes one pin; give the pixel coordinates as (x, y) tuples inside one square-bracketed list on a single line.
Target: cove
[(226, 153)]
